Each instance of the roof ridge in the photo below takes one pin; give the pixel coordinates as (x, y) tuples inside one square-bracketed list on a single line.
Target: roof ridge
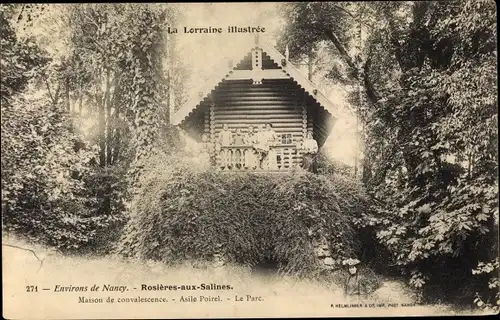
[(217, 77)]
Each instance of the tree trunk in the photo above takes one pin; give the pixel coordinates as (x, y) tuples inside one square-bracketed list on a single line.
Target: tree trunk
[(79, 99), (54, 97), (80, 104), (116, 133), (117, 144), (101, 122), (367, 171), (109, 121), (68, 101), (358, 73)]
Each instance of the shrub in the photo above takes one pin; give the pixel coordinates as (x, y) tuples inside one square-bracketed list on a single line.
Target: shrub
[(104, 197), (185, 210), (488, 299), (47, 178), (440, 244), (363, 219)]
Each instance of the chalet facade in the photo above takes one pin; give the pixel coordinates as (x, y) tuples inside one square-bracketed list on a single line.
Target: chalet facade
[(261, 114)]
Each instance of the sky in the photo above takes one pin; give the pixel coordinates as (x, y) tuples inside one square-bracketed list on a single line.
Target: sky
[(205, 52), (208, 54)]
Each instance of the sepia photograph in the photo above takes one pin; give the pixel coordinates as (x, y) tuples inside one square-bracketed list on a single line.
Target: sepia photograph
[(249, 160)]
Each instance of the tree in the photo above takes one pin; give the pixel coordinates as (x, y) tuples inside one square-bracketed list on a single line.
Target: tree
[(338, 27), (45, 164), (21, 58), (113, 69), (422, 138), (430, 127)]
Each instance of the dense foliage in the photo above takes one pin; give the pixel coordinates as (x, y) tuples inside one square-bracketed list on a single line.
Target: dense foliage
[(427, 77), (21, 58), (43, 165), (440, 130), (188, 212), (64, 183)]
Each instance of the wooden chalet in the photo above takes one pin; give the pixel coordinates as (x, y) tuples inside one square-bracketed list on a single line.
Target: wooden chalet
[(264, 87)]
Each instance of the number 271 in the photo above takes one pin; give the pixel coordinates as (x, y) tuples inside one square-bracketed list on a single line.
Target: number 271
[(31, 288)]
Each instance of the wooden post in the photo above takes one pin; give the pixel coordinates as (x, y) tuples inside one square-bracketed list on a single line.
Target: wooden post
[(206, 128), (304, 127), (304, 115)]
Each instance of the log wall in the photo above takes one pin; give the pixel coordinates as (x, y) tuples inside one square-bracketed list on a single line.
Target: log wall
[(240, 104)]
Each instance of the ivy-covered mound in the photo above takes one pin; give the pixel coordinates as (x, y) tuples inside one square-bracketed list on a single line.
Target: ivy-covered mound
[(247, 218)]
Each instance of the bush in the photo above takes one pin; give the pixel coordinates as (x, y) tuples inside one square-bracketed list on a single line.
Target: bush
[(104, 197), (363, 218), (439, 245), (488, 299), (48, 178), (187, 211)]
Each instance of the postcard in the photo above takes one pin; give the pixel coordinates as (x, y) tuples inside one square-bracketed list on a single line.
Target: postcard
[(247, 160)]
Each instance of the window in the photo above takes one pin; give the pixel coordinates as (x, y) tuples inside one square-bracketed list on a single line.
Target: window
[(286, 138)]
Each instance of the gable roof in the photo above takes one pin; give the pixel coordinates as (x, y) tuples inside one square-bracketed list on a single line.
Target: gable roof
[(289, 69)]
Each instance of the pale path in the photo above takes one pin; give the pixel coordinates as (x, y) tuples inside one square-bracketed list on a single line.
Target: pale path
[(282, 296)]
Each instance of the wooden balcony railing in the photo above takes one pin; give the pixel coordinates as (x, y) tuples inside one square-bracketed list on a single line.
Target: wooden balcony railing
[(283, 157)]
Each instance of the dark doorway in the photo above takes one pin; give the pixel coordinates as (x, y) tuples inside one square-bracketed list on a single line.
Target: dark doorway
[(267, 267)]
